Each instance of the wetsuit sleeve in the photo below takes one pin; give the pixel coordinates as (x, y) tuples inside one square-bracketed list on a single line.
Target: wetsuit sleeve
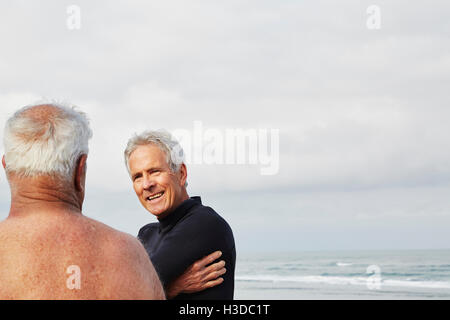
[(191, 240)]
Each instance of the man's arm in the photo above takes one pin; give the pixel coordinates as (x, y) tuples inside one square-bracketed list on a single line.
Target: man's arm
[(201, 275), (193, 239)]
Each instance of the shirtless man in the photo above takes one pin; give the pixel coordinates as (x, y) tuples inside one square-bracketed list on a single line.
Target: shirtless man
[(48, 248)]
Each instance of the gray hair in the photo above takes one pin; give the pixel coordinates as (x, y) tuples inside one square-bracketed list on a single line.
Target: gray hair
[(164, 140), (52, 145)]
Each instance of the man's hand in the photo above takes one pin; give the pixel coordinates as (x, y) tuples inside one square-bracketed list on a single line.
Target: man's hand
[(199, 276)]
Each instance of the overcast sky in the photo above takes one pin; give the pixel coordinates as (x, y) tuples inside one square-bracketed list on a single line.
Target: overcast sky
[(363, 112)]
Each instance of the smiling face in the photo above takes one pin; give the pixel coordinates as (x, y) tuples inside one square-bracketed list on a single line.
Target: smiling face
[(159, 189)]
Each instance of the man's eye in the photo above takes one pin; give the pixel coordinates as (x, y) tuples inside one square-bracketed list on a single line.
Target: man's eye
[(137, 177)]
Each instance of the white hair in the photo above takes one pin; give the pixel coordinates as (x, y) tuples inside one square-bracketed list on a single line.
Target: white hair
[(37, 145), (164, 140)]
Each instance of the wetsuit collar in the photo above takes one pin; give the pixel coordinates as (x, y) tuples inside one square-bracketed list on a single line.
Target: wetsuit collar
[(166, 223)]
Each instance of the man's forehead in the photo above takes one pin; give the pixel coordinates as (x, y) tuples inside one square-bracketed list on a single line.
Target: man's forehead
[(147, 155)]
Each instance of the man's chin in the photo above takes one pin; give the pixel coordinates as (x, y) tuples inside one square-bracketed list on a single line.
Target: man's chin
[(157, 212)]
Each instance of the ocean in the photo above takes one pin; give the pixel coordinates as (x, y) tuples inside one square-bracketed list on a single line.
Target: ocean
[(368, 275)]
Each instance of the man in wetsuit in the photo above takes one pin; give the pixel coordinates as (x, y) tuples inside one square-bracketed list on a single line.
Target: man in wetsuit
[(186, 231)]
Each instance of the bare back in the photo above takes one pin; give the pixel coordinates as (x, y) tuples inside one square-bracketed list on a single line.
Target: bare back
[(69, 256)]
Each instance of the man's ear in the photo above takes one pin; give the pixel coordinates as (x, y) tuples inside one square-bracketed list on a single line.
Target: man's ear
[(183, 174), (3, 162), (80, 173)]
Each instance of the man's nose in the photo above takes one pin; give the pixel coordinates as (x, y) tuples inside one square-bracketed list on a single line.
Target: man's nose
[(148, 183)]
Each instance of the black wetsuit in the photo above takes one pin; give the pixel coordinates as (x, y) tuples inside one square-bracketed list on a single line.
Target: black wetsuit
[(186, 235)]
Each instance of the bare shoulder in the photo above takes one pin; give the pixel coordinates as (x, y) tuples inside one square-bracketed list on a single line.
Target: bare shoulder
[(132, 272), (3, 233), (116, 243), (114, 264)]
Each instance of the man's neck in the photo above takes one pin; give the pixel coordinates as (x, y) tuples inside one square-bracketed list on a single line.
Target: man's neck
[(42, 195), (183, 198)]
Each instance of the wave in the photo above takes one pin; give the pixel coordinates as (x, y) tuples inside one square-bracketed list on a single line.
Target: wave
[(363, 281), (343, 264)]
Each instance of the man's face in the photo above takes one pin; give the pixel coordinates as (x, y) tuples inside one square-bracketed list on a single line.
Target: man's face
[(159, 189)]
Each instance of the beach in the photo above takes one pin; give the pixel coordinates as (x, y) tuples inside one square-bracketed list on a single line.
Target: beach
[(367, 275)]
